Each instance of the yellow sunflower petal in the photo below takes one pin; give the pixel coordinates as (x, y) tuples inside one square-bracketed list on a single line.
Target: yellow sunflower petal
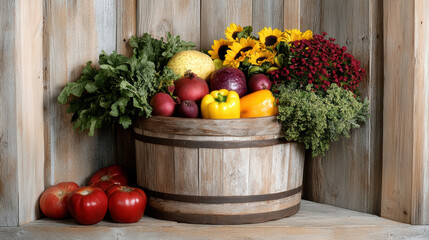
[(260, 57), (232, 31), (240, 50), (296, 35), (219, 49), (270, 37)]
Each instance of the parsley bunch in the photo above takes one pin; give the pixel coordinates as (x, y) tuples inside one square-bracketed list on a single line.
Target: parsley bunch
[(120, 89), (316, 120)]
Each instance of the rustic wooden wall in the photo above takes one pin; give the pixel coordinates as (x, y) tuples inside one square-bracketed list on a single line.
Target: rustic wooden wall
[(45, 44), (21, 111), (349, 175), (405, 189), (74, 33), (8, 124)]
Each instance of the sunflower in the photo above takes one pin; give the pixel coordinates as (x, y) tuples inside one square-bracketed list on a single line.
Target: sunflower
[(219, 49), (270, 37), (258, 58), (240, 50), (296, 35), (232, 31)]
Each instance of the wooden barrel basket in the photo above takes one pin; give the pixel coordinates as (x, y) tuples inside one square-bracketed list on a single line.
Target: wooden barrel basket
[(206, 171)]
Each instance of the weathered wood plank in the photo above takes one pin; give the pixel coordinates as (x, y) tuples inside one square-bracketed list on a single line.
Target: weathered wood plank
[(292, 14), (236, 166), (75, 32), (349, 175), (186, 170), (313, 221), (280, 168), (29, 108), (420, 201), (211, 171), (267, 14), (216, 16), (260, 161), (180, 17), (21, 111), (310, 15), (405, 134), (126, 27), (8, 124)]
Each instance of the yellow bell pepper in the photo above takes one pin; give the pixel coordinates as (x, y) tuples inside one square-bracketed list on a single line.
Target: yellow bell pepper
[(222, 104), (258, 104)]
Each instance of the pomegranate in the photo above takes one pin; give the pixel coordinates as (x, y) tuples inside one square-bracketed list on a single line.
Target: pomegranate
[(191, 87)]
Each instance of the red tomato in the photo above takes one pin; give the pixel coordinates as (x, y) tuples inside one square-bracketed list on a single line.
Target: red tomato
[(53, 202), (87, 205), (126, 204), (108, 176)]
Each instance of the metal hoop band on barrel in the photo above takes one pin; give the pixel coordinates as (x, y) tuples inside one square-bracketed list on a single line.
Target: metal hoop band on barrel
[(208, 144), (222, 199), (223, 219)]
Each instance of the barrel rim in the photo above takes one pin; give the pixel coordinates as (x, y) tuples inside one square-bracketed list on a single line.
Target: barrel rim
[(240, 127)]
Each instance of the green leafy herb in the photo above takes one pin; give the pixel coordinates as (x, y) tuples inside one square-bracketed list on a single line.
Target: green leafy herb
[(120, 89), (159, 51), (317, 120), (247, 32)]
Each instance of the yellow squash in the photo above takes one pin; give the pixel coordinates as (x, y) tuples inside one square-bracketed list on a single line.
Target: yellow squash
[(258, 104)]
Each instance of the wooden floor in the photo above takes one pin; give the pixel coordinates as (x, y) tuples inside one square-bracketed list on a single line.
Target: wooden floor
[(313, 221)]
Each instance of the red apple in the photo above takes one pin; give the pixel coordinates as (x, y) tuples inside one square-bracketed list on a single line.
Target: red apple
[(162, 104), (258, 82), (53, 202), (88, 205)]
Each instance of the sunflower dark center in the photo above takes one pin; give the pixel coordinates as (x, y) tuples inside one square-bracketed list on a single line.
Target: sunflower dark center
[(242, 50), (222, 52), (260, 59), (234, 35), (270, 40)]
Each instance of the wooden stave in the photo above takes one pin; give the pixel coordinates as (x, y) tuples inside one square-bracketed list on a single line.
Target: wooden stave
[(176, 215)]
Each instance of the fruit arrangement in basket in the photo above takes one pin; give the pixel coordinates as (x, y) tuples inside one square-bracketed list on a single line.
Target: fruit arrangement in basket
[(308, 82)]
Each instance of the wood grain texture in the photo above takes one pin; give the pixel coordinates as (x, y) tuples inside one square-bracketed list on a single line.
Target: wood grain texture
[(210, 167), (405, 147), (180, 17), (211, 127), (420, 201), (29, 108), (126, 27), (216, 16), (75, 32), (349, 175), (310, 15), (228, 172), (267, 14), (21, 111), (292, 14), (313, 221), (8, 125)]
